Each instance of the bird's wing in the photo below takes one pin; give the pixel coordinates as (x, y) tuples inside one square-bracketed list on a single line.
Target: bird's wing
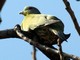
[(56, 26), (44, 20), (36, 20), (51, 20)]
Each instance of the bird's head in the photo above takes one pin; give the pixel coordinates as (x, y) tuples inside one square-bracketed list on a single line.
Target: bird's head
[(30, 10)]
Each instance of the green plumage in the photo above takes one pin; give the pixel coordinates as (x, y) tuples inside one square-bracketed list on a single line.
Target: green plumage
[(48, 28)]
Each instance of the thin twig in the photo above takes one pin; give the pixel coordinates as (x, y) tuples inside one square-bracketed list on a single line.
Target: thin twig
[(34, 53), (60, 49), (71, 13)]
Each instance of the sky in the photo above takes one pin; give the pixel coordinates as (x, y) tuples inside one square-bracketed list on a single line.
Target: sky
[(17, 49)]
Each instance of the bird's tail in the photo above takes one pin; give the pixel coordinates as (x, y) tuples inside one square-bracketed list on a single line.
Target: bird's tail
[(67, 36), (63, 36)]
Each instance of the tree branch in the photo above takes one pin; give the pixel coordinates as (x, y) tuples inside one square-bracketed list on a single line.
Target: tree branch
[(34, 53), (8, 33), (71, 13), (2, 3), (44, 48), (60, 49), (51, 53)]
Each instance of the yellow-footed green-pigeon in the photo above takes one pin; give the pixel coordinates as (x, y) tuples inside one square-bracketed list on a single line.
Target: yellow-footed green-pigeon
[(49, 28)]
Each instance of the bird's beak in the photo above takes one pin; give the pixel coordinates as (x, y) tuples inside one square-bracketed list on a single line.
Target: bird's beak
[(21, 13)]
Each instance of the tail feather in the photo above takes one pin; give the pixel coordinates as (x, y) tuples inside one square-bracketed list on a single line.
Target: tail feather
[(63, 36), (67, 36)]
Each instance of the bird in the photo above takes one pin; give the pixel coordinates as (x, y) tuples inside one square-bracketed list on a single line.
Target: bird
[(47, 27)]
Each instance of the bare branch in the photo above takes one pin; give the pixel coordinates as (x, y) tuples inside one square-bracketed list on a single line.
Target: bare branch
[(36, 44), (45, 48), (77, 0), (34, 53), (8, 33), (51, 53), (71, 13), (60, 49), (2, 3)]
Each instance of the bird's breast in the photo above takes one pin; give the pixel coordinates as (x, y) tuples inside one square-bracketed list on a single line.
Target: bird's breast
[(32, 22)]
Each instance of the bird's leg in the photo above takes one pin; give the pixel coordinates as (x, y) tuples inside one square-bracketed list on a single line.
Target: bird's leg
[(60, 49)]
